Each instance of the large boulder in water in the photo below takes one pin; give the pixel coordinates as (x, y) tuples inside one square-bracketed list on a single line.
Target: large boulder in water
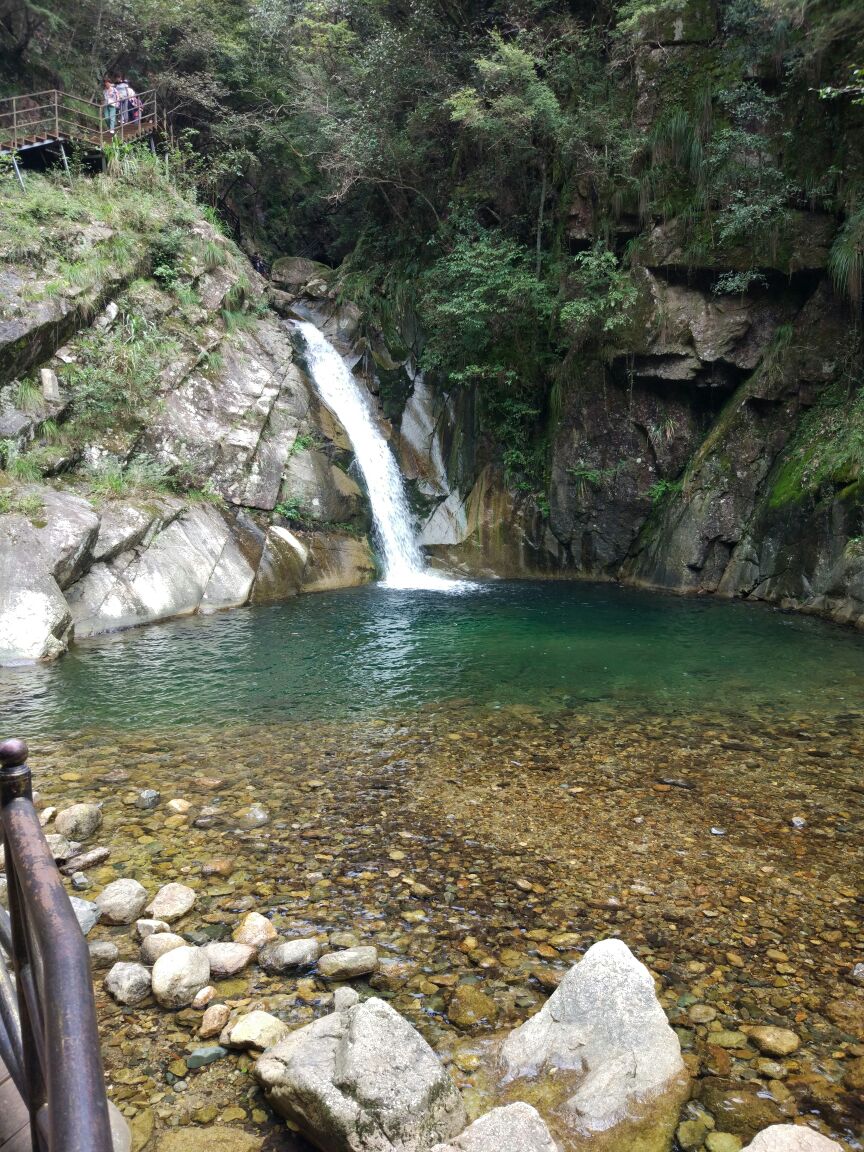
[(362, 1080), (792, 1138), (601, 1056)]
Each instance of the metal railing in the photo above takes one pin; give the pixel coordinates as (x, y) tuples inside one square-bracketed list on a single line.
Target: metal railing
[(52, 116), (48, 1035)]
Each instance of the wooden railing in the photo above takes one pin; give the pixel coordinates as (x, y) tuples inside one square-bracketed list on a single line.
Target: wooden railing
[(41, 118), (48, 1035)]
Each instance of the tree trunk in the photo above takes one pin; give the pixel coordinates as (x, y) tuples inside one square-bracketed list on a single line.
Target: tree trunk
[(538, 265)]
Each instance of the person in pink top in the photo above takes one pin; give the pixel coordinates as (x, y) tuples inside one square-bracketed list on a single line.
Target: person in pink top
[(110, 101)]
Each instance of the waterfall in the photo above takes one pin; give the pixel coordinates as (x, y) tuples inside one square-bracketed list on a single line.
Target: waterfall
[(404, 566)]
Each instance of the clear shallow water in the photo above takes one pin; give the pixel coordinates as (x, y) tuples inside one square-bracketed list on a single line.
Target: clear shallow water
[(376, 651)]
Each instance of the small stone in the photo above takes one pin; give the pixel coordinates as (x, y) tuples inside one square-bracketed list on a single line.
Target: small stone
[(179, 976), (214, 1020), (728, 1039), (286, 955), (722, 1142), (348, 964), (145, 928), (701, 1013), (102, 954), (203, 1056), (228, 959), (203, 998), (256, 931), (158, 944), (86, 912), (79, 822), (178, 807), (257, 1030), (774, 1041), (221, 866), (857, 974), (147, 799), (61, 848), (853, 1075), (128, 983), (255, 816), (80, 882), (85, 860), (470, 1006), (172, 902), (216, 1138), (121, 901), (798, 822), (690, 1134)]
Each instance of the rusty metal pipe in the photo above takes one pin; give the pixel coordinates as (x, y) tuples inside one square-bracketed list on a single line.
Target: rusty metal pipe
[(77, 1113)]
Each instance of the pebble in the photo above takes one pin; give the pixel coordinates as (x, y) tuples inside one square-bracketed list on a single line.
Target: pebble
[(179, 976), (87, 913), (228, 959), (121, 901), (214, 1020), (200, 1057), (79, 822), (722, 1142), (80, 882), (103, 953), (256, 931), (774, 1041), (85, 860), (203, 998), (470, 1007), (172, 902), (728, 1039), (348, 964), (128, 983), (701, 1013), (285, 955), (255, 816), (257, 1030), (145, 928), (157, 944), (178, 807), (147, 799), (222, 866)]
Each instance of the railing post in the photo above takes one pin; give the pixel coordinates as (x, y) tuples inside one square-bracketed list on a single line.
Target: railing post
[(15, 121), (16, 783), (56, 114)]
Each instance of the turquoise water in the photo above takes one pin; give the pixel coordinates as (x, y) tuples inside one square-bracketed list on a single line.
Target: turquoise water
[(373, 651)]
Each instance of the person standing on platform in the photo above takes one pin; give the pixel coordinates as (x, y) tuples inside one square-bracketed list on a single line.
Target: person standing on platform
[(110, 101)]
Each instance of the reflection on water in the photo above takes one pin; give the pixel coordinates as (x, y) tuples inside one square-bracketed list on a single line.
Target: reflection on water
[(372, 650)]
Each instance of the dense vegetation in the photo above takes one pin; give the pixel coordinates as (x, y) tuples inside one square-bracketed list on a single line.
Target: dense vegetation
[(494, 165)]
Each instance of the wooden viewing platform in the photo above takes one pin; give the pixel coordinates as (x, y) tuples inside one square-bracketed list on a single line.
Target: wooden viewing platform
[(53, 119)]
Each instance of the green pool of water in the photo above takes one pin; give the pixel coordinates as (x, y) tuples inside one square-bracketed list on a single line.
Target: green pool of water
[(373, 651)]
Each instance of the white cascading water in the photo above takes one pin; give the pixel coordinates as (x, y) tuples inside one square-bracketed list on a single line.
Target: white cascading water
[(404, 566)]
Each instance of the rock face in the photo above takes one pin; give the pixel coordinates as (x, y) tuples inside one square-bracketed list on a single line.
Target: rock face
[(514, 1127), (613, 1053), (362, 1080), (250, 432), (791, 1138)]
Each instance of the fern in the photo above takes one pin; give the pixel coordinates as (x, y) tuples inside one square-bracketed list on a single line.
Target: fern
[(846, 259)]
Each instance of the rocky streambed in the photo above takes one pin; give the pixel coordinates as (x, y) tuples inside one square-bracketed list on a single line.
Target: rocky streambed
[(465, 860)]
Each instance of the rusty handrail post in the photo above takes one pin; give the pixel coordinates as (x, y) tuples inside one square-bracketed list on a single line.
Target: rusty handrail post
[(16, 784), (54, 981)]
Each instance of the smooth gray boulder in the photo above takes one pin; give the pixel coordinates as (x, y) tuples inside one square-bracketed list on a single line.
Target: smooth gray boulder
[(349, 963), (514, 1128), (128, 983), (157, 944), (228, 958), (362, 1080), (171, 902), (256, 1030), (791, 1138), (121, 901), (605, 1038), (79, 822), (284, 955), (179, 975)]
